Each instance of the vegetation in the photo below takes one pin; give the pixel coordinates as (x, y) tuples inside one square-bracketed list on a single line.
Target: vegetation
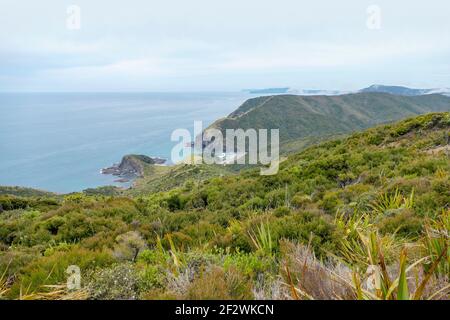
[(362, 217), (24, 192), (305, 119), (164, 178)]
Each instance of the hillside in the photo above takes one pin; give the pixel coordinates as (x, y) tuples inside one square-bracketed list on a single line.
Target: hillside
[(163, 178), (24, 192), (376, 200), (305, 117), (318, 119), (404, 91)]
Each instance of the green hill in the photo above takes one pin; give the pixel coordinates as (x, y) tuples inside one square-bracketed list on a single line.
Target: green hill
[(24, 192), (375, 203), (163, 178), (303, 118)]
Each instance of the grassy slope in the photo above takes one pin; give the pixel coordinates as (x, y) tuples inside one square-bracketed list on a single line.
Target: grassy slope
[(302, 117), (304, 121), (396, 176), (24, 192), (162, 178)]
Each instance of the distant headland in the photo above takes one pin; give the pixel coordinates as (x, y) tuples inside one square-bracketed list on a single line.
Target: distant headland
[(132, 166)]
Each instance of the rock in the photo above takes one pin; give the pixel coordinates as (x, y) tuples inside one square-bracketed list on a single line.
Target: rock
[(132, 166)]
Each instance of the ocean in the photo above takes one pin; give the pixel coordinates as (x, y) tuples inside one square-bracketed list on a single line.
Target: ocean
[(60, 141)]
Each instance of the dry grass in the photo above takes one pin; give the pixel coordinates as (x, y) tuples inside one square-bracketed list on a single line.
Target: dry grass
[(309, 278), (4, 287), (272, 289), (218, 284), (56, 292)]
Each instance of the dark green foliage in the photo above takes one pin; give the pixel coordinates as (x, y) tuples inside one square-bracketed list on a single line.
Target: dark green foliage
[(24, 192), (227, 230), (404, 223), (103, 191)]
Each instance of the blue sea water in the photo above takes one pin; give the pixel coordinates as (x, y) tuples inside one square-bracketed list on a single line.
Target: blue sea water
[(60, 141)]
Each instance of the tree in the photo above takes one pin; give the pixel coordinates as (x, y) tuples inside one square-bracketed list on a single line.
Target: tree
[(129, 245)]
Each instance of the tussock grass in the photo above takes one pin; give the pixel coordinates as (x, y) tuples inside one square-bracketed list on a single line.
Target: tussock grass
[(4, 287)]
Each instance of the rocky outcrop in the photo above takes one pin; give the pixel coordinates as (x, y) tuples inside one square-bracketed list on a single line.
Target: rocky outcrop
[(132, 166)]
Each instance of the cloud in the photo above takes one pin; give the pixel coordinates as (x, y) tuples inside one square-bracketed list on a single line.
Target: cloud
[(292, 55), (222, 45)]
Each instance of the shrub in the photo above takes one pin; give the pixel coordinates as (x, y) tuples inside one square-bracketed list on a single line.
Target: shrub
[(53, 224), (281, 211), (13, 203), (129, 245), (235, 238), (174, 202), (119, 282), (330, 202), (306, 227), (178, 220), (153, 257), (255, 204), (276, 198), (300, 201), (249, 264), (151, 277), (201, 232), (405, 224)]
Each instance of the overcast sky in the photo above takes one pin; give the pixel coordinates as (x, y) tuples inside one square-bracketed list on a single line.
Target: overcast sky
[(222, 45)]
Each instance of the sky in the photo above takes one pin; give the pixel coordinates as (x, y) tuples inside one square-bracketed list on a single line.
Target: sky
[(212, 45)]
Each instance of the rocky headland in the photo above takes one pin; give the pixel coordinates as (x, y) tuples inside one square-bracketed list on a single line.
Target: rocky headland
[(132, 166)]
